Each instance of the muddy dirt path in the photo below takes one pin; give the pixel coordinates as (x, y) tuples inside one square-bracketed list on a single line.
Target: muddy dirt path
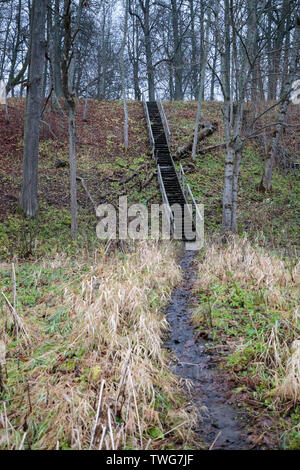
[(220, 425)]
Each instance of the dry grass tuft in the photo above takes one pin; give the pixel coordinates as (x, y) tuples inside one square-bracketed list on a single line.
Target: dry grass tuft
[(290, 387), (264, 313), (104, 382), (250, 266)]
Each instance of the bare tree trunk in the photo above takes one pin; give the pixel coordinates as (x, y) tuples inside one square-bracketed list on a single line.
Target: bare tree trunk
[(232, 171), (266, 181), (16, 80), (68, 79), (229, 158), (57, 51), (72, 156), (212, 83), (194, 68), (201, 88), (243, 68), (4, 47), (227, 193), (123, 75), (133, 53), (52, 60), (28, 197), (15, 49), (145, 22), (178, 59), (149, 61), (235, 185), (6, 113), (84, 118)]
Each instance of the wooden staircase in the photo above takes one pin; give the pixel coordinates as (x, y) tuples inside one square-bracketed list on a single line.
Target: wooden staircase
[(182, 223)]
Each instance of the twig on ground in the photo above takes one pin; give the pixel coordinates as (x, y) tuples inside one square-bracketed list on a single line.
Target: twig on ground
[(212, 147), (14, 284), (79, 178), (29, 399), (135, 173), (148, 181), (136, 407), (50, 129), (150, 198), (215, 440), (207, 129)]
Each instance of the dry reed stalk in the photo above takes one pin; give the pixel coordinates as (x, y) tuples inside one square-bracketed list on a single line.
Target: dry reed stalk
[(136, 408), (110, 429), (102, 437), (14, 285), (97, 414), (6, 424), (174, 429), (17, 320), (123, 378), (148, 444), (2, 362), (21, 446), (290, 387)]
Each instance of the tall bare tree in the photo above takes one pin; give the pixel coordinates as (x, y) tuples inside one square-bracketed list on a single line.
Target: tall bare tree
[(243, 63), (69, 95), (122, 67), (201, 85), (293, 74), (29, 190), (143, 14)]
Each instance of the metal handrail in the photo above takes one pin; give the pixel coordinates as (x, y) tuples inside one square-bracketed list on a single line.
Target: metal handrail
[(152, 142), (170, 214), (194, 202), (164, 121), (181, 176), (189, 196)]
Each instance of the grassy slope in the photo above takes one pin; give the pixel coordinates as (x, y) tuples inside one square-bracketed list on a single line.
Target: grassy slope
[(248, 293), (101, 160), (275, 215), (270, 220), (104, 164)]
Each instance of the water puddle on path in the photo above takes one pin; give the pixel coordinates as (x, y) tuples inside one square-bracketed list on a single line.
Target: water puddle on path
[(220, 425)]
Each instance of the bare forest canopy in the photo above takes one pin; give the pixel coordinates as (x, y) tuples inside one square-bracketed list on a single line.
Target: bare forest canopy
[(166, 46)]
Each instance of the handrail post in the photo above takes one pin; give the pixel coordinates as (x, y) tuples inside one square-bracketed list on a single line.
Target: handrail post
[(189, 196), (149, 126), (169, 213), (164, 121)]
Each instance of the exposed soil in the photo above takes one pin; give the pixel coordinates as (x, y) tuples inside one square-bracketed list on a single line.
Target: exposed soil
[(221, 426)]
